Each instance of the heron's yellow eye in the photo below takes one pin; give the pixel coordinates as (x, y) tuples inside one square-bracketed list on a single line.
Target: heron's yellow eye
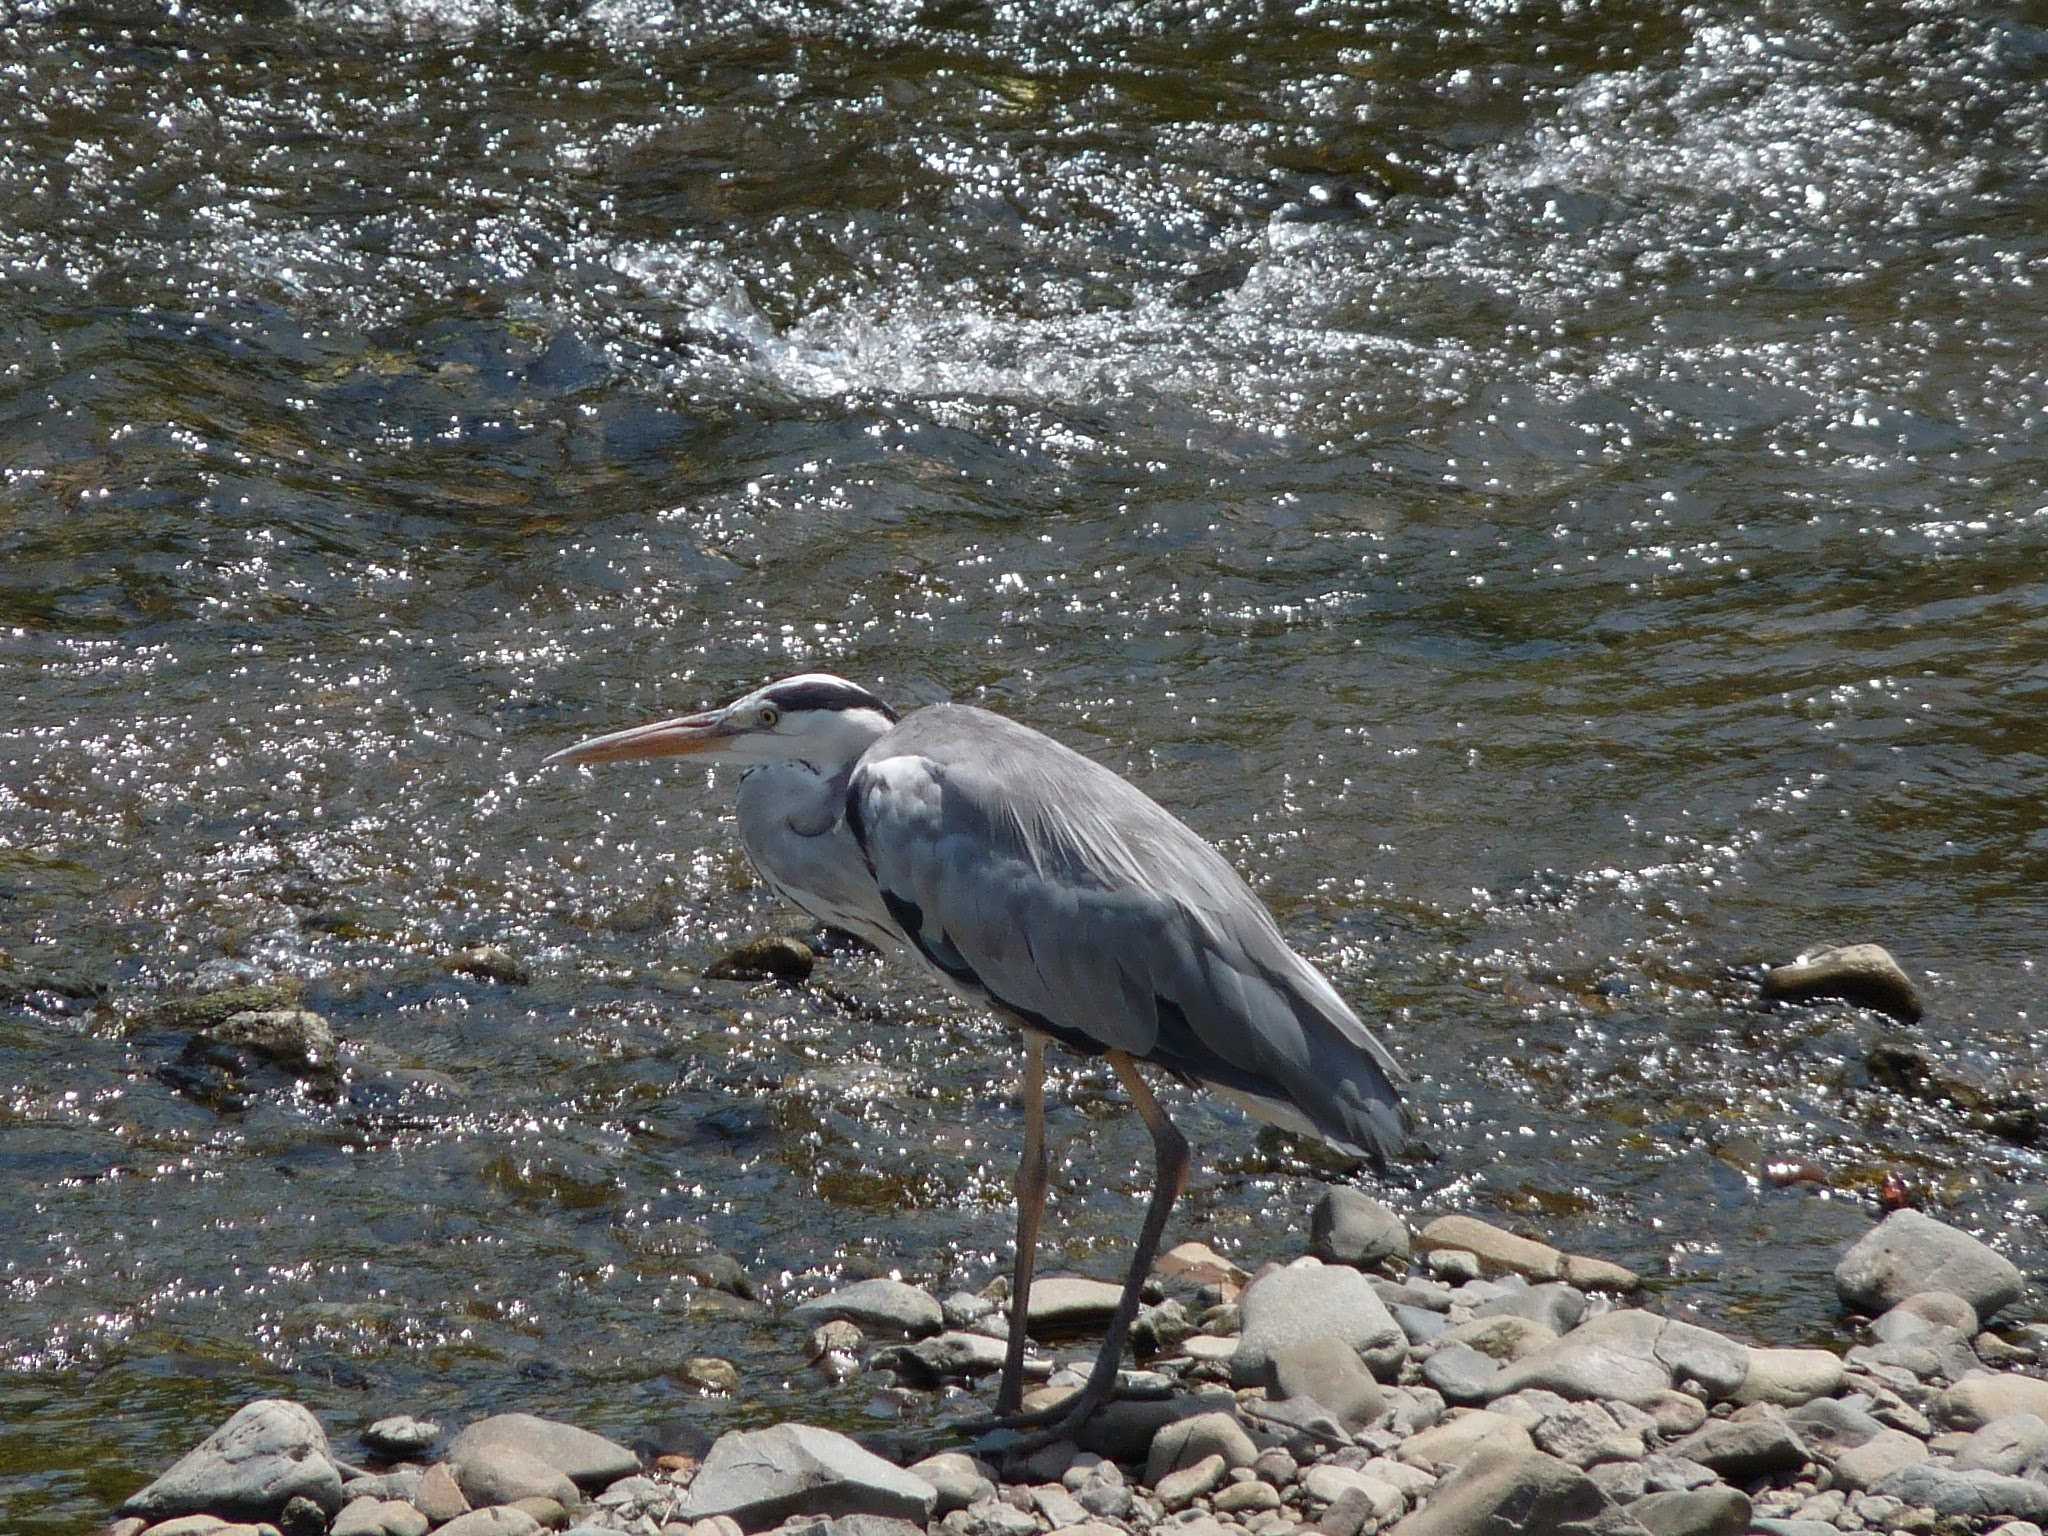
[(768, 716)]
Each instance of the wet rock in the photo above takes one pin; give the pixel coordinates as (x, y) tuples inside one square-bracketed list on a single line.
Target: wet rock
[(217, 1006), (1861, 1468), (296, 1038), (1789, 1377), (948, 1357), (1909, 1252), (379, 1517), (1947, 1491), (2015, 1446), (1350, 1227), (964, 1309), (1702, 1512), (1497, 1491), (1498, 1252), (489, 962), (1632, 1357), (1201, 1265), (1185, 1442), (1444, 1446), (1863, 974), (588, 1460), (401, 1435), (270, 1452), (762, 1476), (956, 1478), (1070, 1304), (1307, 1304), (708, 1373), (773, 957), (302, 1517), (1907, 1067), (1990, 1396), (1158, 1329), (1599, 1274), (1741, 1450), (1335, 1380), (879, 1306), (1461, 1373)]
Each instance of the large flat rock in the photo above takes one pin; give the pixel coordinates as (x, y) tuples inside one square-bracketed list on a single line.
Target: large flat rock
[(1631, 1357), (761, 1477)]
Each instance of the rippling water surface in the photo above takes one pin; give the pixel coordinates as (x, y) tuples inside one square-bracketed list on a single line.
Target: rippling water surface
[(1553, 490)]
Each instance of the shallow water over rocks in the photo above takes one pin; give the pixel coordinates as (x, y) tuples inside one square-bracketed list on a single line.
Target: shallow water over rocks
[(1554, 492)]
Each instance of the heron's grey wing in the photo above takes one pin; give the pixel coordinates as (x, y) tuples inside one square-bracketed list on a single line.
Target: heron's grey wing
[(1039, 879)]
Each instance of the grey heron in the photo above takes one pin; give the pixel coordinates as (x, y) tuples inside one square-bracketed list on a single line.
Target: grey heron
[(1047, 888)]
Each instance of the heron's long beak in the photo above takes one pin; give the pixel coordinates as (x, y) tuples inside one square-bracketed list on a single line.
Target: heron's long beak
[(679, 737)]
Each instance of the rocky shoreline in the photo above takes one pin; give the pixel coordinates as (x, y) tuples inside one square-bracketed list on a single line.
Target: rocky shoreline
[(1454, 1381)]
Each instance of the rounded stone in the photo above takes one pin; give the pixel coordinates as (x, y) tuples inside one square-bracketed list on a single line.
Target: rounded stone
[(1910, 1252), (1350, 1227)]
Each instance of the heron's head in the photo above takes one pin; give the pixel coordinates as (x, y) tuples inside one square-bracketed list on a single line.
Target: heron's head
[(815, 718)]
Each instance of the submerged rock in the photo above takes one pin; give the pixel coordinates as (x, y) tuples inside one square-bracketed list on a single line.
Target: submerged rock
[(208, 1009), (489, 962), (774, 957), (292, 1037)]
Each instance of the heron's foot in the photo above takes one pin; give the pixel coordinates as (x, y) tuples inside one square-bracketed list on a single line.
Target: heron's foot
[(1021, 1433)]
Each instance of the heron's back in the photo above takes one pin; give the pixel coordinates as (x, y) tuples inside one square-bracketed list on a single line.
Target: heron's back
[(1040, 880)]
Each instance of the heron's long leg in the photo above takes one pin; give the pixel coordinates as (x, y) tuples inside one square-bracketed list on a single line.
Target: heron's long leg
[(1174, 1165), (1033, 1177)]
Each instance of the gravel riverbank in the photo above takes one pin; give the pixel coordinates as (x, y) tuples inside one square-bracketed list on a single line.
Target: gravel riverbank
[(1449, 1381)]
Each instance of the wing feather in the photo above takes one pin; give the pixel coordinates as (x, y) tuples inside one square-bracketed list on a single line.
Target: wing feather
[(1034, 877)]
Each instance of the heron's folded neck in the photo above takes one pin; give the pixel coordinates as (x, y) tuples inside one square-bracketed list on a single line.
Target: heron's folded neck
[(819, 804)]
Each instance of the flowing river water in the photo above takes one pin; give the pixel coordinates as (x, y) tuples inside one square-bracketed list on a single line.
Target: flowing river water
[(1554, 490)]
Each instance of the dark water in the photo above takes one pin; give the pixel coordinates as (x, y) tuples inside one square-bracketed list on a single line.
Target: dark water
[(1554, 490)]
